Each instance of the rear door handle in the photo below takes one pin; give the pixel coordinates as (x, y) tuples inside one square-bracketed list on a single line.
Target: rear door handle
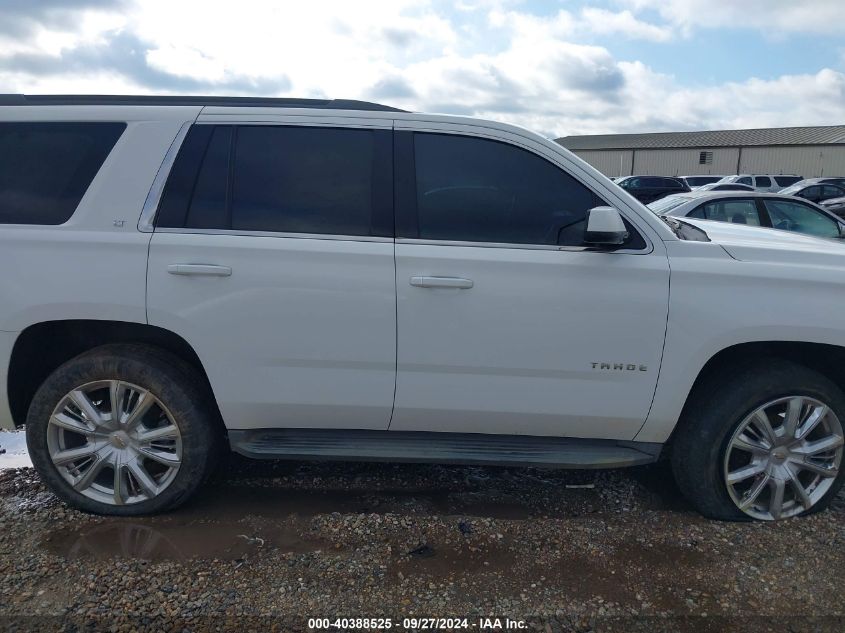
[(206, 270), (441, 282)]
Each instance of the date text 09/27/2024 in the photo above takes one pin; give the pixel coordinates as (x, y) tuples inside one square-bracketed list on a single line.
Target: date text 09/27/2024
[(417, 624)]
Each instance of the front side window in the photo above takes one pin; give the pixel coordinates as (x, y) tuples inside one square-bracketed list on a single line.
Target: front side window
[(46, 168), (744, 180), (734, 211), (282, 179), (795, 216), (478, 190)]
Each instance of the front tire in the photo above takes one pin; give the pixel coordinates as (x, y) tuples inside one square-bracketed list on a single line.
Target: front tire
[(123, 430), (762, 442)]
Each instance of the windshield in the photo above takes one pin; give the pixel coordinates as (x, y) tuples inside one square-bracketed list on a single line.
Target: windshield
[(664, 205), (697, 181)]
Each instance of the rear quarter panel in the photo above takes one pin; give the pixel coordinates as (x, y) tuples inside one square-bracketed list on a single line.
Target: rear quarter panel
[(94, 265)]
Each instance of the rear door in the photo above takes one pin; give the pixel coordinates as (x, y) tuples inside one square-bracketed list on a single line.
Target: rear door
[(506, 323), (273, 258)]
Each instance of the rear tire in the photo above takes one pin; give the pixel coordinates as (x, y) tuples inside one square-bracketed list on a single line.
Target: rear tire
[(724, 452), (123, 430)]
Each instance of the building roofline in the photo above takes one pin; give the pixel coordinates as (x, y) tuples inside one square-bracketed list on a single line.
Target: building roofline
[(704, 139)]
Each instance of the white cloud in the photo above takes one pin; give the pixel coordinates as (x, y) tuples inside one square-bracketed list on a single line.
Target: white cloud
[(623, 23), (506, 64), (816, 16)]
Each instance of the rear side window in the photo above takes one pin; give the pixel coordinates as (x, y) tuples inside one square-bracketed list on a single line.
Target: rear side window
[(282, 179), (479, 190), (786, 181), (732, 210), (832, 191), (46, 168)]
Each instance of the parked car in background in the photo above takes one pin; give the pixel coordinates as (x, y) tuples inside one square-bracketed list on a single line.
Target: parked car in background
[(825, 180), (650, 188), (697, 181), (725, 186), (815, 191), (754, 209), (763, 182)]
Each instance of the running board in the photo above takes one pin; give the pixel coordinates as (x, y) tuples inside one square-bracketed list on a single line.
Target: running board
[(443, 448)]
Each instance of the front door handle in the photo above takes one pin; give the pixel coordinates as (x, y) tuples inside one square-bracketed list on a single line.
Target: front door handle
[(206, 270), (441, 282)]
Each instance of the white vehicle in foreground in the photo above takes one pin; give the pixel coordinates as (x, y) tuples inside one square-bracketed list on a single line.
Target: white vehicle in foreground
[(341, 280)]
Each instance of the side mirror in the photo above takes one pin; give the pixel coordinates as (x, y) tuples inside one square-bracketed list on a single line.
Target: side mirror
[(605, 227)]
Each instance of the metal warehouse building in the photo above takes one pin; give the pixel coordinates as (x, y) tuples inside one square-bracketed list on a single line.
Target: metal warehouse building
[(805, 151)]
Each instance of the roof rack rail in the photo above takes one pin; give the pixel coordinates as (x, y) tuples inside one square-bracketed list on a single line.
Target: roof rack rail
[(273, 102)]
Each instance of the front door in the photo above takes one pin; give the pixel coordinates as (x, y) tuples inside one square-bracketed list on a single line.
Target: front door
[(273, 258), (506, 323)]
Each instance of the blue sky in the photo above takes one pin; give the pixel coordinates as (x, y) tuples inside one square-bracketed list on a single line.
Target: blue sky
[(559, 67)]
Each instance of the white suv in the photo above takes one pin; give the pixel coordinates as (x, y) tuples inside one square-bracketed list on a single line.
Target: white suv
[(341, 280), (764, 182)]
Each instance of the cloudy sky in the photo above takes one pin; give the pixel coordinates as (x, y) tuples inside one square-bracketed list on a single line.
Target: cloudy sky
[(558, 67)]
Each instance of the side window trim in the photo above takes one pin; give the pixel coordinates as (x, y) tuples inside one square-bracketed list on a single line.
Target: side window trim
[(763, 212), (383, 212), (407, 219), (146, 223)]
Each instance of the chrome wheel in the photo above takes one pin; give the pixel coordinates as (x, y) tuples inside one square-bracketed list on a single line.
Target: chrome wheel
[(114, 442), (783, 458)]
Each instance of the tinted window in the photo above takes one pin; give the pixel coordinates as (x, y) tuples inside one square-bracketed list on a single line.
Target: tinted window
[(46, 168), (745, 180), (794, 216), (832, 191), (470, 189), (785, 181), (650, 181), (734, 211), (282, 179), (671, 183), (697, 181), (811, 193), (763, 181), (209, 207)]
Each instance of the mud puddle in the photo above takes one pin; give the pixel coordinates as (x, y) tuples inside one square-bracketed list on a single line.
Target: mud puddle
[(156, 541)]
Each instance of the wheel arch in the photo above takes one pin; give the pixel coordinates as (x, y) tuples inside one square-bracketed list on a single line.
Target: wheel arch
[(42, 347), (826, 359)]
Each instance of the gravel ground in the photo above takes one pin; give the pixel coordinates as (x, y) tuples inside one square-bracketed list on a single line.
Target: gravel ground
[(267, 545)]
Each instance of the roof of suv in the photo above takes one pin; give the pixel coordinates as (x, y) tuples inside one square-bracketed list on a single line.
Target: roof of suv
[(134, 100), (698, 193)]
